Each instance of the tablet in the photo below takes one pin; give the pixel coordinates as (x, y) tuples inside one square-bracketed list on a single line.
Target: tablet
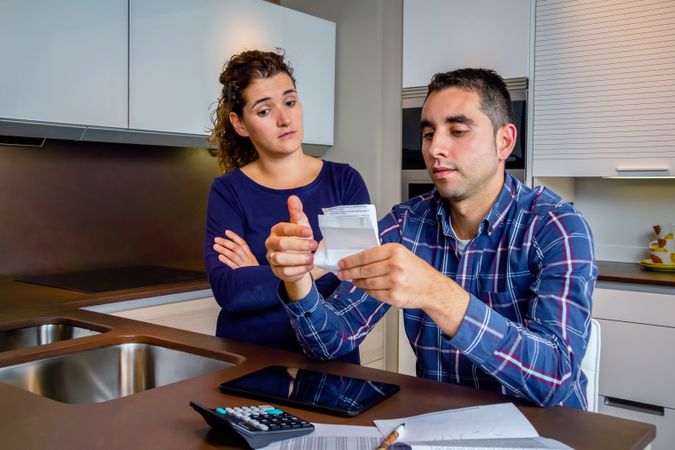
[(308, 389)]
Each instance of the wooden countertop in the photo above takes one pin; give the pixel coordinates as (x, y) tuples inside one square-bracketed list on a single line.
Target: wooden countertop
[(161, 417)]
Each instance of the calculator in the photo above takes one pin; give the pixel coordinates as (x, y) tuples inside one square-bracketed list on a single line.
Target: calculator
[(258, 425)]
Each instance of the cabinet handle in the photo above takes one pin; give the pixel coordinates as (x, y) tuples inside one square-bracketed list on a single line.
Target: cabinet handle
[(634, 406), (647, 172)]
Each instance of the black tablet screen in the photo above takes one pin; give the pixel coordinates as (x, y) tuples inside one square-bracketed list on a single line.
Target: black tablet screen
[(332, 394)]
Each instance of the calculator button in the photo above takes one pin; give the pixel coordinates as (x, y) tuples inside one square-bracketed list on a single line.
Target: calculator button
[(274, 411)]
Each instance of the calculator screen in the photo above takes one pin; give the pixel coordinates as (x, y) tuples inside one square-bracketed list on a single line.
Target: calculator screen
[(333, 394)]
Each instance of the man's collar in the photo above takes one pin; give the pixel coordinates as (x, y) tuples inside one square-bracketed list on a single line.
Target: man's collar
[(501, 207), (493, 218)]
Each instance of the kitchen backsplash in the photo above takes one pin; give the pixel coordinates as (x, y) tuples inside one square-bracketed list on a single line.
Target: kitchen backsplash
[(621, 213), (74, 205)]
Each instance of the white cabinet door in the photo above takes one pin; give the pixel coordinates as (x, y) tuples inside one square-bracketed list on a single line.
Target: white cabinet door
[(178, 49), (603, 88), (199, 315), (638, 331), (64, 61), (442, 35)]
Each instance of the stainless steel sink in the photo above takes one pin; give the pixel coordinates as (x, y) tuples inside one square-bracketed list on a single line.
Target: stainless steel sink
[(107, 373), (49, 333)]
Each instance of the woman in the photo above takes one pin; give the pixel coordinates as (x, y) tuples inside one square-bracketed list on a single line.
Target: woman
[(258, 133)]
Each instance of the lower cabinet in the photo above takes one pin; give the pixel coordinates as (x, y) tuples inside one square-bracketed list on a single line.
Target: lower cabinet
[(665, 424), (372, 347), (636, 363), (200, 316)]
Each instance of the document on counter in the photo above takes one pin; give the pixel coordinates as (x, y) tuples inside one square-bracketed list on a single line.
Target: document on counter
[(532, 443), (346, 229), (333, 437), (500, 426)]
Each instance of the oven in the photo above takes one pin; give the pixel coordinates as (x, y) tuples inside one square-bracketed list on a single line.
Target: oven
[(414, 177)]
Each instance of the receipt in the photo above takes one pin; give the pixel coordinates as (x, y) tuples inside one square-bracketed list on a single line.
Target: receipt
[(346, 229)]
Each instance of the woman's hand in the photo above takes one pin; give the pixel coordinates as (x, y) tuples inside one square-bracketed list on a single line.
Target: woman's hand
[(233, 251)]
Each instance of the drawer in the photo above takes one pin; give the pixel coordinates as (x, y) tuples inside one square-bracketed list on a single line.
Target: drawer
[(633, 306), (665, 424), (637, 363)]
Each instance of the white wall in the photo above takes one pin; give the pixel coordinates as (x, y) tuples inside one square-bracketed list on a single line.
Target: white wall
[(442, 35), (620, 212), (368, 90)]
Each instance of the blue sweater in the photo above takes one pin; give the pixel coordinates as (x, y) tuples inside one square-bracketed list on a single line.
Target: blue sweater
[(251, 311)]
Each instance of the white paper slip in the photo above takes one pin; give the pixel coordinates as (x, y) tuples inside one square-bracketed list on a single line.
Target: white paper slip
[(498, 421), (333, 437), (533, 443), (346, 229)]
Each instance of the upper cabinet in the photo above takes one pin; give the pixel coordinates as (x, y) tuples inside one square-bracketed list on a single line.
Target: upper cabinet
[(178, 49), (64, 61), (146, 71), (604, 88), (442, 35)]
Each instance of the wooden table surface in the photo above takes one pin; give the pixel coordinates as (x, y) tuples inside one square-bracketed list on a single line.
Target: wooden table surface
[(161, 418)]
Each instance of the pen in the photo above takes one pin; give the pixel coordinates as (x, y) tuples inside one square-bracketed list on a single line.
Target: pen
[(391, 438)]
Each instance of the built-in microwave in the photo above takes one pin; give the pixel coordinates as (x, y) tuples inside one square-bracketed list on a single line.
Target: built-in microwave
[(415, 179)]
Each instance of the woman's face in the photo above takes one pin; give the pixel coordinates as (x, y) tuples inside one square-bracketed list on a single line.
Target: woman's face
[(271, 116)]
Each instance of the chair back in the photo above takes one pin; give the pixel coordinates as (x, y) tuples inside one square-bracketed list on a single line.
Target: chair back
[(590, 365)]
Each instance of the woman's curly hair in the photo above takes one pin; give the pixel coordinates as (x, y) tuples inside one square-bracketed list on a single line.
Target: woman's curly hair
[(243, 68)]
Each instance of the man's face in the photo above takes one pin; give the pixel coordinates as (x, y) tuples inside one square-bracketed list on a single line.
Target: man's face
[(462, 155)]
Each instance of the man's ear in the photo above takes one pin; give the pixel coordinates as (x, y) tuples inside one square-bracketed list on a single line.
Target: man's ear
[(238, 125), (506, 140)]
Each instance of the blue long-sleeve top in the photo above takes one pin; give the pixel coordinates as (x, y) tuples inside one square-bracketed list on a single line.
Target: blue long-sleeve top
[(250, 309), (530, 273)]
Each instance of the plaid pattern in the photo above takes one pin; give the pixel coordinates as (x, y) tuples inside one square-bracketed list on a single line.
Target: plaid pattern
[(530, 271)]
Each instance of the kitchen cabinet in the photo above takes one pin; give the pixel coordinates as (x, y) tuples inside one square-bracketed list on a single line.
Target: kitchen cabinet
[(442, 35), (193, 310), (198, 311), (638, 333), (64, 62), (146, 71), (372, 348), (603, 91), (178, 49), (198, 315)]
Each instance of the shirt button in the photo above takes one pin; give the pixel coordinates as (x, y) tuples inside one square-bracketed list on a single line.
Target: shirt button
[(307, 314)]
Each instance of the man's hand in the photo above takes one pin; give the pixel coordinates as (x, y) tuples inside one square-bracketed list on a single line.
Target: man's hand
[(234, 251), (393, 274), (289, 251)]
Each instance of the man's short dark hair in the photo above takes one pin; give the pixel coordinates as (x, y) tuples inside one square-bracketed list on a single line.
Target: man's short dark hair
[(495, 101)]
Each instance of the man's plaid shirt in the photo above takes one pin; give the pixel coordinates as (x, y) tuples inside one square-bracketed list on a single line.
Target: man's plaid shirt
[(530, 272)]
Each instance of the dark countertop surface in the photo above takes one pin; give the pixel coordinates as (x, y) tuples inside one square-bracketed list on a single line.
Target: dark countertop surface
[(633, 273), (161, 417)]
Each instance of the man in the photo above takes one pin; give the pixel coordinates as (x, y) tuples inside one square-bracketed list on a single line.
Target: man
[(495, 278)]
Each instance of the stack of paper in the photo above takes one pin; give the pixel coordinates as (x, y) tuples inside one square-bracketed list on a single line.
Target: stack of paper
[(490, 427), (346, 229), (500, 426)]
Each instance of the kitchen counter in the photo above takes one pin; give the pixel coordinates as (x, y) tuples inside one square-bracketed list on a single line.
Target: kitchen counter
[(633, 273), (161, 417)]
